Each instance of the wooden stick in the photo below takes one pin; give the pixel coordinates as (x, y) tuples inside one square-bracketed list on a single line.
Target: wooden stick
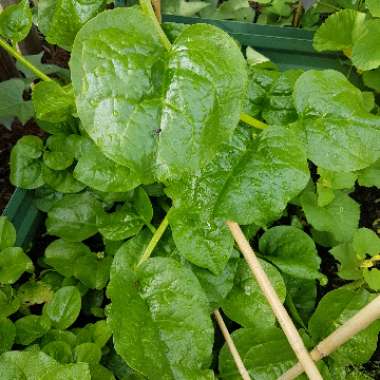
[(341, 335), (231, 346), (298, 14), (278, 308), (157, 9)]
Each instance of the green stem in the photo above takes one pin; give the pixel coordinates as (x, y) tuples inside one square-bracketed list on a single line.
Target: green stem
[(147, 8), (13, 52), (248, 119), (154, 241)]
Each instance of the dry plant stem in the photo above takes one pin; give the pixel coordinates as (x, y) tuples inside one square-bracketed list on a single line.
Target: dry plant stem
[(278, 308), (353, 326), (157, 9), (231, 346), (298, 14)]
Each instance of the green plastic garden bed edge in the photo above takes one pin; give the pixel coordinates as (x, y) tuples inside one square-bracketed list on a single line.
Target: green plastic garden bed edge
[(287, 47), (26, 218)]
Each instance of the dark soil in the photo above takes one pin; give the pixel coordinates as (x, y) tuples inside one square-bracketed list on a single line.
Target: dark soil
[(369, 200)]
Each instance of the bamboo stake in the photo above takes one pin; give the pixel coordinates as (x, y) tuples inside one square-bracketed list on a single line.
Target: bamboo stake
[(231, 346), (341, 335), (157, 9), (278, 308)]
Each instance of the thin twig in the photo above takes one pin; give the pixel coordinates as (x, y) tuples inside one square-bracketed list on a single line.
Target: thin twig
[(341, 335), (231, 346), (157, 9), (278, 308), (298, 14)]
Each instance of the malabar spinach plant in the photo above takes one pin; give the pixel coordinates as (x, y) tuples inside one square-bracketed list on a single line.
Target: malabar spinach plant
[(150, 150)]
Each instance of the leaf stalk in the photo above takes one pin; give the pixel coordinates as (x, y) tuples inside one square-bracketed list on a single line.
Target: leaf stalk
[(147, 8), (154, 241), (248, 119), (14, 53)]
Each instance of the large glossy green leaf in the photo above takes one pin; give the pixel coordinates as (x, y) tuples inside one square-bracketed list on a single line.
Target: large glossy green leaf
[(159, 315), (61, 180), (334, 309), (260, 82), (329, 181), (217, 287), (246, 303), (121, 224), (60, 151), (292, 251), (272, 172), (366, 50), (99, 172), (266, 354), (235, 186), (270, 95), (93, 270), (60, 20), (62, 255), (16, 21), (22, 365), (76, 260), (30, 328), (200, 237), (341, 135), (52, 102), (13, 263), (339, 31), (25, 163), (74, 217), (69, 372), (339, 219), (7, 233), (88, 353), (64, 308), (150, 103), (36, 365)]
